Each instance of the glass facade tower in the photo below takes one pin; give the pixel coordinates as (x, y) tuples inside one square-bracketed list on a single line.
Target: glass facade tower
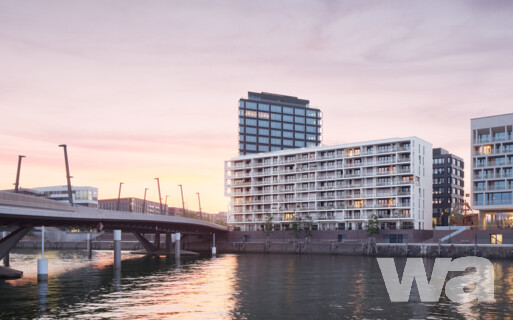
[(272, 122)]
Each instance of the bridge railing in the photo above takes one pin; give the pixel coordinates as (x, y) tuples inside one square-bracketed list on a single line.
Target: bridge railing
[(22, 200)]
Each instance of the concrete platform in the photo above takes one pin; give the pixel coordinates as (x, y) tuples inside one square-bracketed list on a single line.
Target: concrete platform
[(8, 273), (164, 252)]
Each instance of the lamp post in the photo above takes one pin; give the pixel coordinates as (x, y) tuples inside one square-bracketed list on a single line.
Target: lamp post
[(160, 197), (68, 177), (183, 203), (119, 194), (199, 204), (17, 183), (144, 201)]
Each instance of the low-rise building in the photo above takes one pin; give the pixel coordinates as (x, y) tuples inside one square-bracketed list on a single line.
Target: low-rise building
[(132, 204), (82, 196), (333, 187)]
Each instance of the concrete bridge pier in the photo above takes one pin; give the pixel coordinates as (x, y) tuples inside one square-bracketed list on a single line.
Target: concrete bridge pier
[(214, 249), (89, 246), (169, 243), (6, 257), (117, 248), (156, 241), (177, 245), (42, 264)]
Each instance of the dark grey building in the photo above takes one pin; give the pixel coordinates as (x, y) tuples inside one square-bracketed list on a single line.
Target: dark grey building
[(272, 122), (448, 185)]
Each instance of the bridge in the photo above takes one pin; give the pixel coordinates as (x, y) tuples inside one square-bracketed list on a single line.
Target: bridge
[(25, 212)]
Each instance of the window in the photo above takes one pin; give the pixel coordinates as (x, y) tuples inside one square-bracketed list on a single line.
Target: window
[(241, 104), (275, 125), (311, 137), (276, 109), (275, 141), (250, 147), (311, 129), (311, 144), (250, 113), (251, 139), (288, 110), (288, 134), (275, 133), (251, 105), (264, 115), (299, 127), (263, 148), (263, 107), (299, 112), (299, 119), (287, 142), (288, 126), (251, 130), (263, 140), (241, 121), (263, 123), (311, 113), (311, 121), (288, 118), (300, 136), (275, 116), (299, 144), (263, 132), (496, 238), (251, 122), (273, 148)]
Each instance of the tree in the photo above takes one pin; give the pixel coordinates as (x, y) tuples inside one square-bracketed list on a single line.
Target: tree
[(307, 225), (268, 226), (373, 225)]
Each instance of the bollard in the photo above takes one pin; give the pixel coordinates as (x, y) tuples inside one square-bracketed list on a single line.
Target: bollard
[(177, 245), (117, 248), (89, 246), (42, 264), (214, 249), (6, 257)]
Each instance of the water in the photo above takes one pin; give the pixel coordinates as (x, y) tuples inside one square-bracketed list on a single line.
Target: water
[(227, 287)]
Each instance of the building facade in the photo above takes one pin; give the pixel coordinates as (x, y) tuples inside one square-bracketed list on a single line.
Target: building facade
[(272, 122), (448, 185), (334, 187), (492, 169), (82, 196), (133, 205)]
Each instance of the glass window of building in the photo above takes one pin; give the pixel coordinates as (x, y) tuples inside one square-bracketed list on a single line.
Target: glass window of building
[(250, 113), (264, 115), (311, 121), (311, 129), (251, 139), (241, 121), (275, 133), (263, 140), (263, 107), (263, 132), (310, 144), (241, 138), (288, 126), (241, 104), (275, 125), (275, 116), (276, 141), (251, 105), (288, 134), (263, 148), (251, 147), (311, 137), (288, 118), (299, 135), (241, 129), (276, 109), (287, 142), (273, 148), (299, 119), (251, 122), (299, 112), (299, 127), (311, 113), (299, 144), (288, 110), (263, 123), (251, 130)]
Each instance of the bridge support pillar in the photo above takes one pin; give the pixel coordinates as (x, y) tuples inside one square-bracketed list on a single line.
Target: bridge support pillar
[(214, 249), (89, 246), (6, 257), (177, 245), (169, 243), (117, 248), (156, 241)]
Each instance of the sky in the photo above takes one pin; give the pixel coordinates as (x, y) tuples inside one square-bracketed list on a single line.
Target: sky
[(145, 89)]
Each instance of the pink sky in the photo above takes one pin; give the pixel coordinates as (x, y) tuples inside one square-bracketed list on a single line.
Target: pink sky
[(140, 89)]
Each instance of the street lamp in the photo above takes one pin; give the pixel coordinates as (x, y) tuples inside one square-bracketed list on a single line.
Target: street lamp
[(17, 183), (68, 177), (144, 201), (165, 203), (160, 197), (199, 203), (119, 194), (183, 203)]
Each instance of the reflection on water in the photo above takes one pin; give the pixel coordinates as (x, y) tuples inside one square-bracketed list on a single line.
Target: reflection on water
[(226, 287)]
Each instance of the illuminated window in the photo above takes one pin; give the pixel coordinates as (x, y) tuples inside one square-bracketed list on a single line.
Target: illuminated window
[(487, 149), (289, 216), (496, 238)]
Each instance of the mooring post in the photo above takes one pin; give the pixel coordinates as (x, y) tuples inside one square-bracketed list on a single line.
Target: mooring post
[(6, 257), (117, 248), (42, 264), (177, 245), (214, 249), (89, 246)]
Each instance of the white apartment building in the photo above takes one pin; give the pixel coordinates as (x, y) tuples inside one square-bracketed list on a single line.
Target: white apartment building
[(337, 187), (492, 167)]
